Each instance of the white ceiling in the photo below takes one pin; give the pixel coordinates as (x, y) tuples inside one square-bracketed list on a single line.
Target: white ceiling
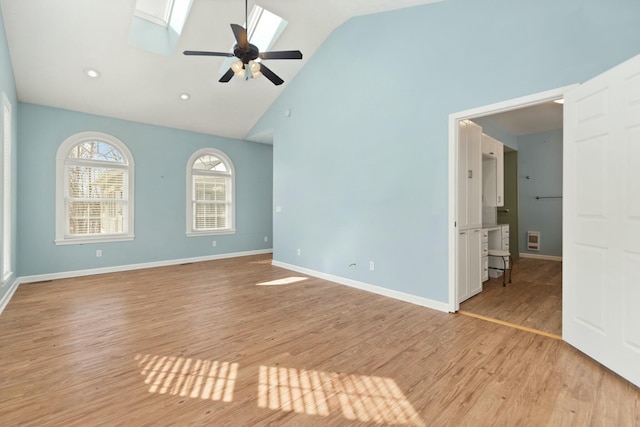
[(51, 43), (533, 119)]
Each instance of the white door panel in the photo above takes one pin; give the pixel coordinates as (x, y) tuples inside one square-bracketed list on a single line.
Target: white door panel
[(631, 295), (601, 252)]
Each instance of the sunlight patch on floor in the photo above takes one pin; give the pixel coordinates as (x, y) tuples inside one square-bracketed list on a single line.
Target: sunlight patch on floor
[(285, 281), (357, 397), (195, 378)]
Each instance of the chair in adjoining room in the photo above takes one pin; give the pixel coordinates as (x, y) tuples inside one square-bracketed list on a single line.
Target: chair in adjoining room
[(506, 262)]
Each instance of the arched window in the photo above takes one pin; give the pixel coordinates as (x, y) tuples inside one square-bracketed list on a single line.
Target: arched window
[(210, 193), (94, 189)]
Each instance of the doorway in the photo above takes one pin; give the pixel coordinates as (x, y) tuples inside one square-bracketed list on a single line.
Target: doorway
[(510, 215), (600, 268)]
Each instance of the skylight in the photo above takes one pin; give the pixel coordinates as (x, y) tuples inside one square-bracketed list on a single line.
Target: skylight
[(179, 14), (264, 27), (263, 30), (156, 11), (157, 24)]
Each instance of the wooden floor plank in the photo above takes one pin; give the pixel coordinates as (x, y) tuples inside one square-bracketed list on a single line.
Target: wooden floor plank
[(211, 344), (533, 299)]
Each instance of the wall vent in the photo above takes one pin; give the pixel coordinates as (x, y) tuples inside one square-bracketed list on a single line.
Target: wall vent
[(533, 240)]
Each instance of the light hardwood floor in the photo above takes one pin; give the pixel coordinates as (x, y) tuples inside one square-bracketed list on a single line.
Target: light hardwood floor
[(240, 342), (533, 299)]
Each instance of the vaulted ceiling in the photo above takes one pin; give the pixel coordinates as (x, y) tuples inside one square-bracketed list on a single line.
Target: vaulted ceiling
[(53, 43)]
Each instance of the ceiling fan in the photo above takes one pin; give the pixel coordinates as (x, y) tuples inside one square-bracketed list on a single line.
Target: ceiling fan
[(247, 66)]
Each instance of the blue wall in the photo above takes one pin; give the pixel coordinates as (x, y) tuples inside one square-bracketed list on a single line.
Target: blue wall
[(8, 87), (361, 164), (540, 158), (161, 156)]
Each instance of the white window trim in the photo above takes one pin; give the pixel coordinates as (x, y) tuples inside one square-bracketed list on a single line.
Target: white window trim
[(61, 156), (7, 147), (189, 208)]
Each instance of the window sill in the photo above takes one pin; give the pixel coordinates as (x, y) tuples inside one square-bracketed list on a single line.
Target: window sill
[(94, 239), (210, 232)]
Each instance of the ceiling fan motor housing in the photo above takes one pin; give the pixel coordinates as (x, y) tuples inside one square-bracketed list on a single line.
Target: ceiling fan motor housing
[(246, 55)]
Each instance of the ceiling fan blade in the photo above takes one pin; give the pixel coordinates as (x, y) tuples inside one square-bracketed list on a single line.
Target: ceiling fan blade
[(240, 33), (202, 53), (270, 75), (227, 76), (282, 54)]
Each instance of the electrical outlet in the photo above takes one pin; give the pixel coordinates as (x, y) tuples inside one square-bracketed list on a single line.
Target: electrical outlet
[(266, 238), (98, 253), (299, 251), (278, 209), (213, 243), (372, 265)]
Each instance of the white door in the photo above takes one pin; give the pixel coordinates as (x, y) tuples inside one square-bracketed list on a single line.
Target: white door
[(601, 249)]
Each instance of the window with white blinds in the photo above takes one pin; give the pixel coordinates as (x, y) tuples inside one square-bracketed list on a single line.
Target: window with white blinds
[(210, 193), (94, 190)]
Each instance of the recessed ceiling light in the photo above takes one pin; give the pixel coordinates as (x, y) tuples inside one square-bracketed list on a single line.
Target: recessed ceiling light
[(559, 101), (93, 73), (185, 96)]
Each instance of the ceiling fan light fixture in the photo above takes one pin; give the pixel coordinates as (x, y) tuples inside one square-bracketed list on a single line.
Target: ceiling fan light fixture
[(254, 67), (238, 69)]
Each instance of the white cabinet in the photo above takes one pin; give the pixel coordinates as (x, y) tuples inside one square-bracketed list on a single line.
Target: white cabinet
[(463, 261), (489, 181), (463, 166), (469, 175), (475, 264), (492, 171), (469, 219), (484, 255), (469, 263), (505, 237), (484, 263), (489, 145)]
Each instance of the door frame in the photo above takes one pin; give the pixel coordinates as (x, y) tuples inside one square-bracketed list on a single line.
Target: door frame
[(454, 118)]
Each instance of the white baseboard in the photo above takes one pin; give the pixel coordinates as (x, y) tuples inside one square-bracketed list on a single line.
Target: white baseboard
[(413, 299), (7, 296), (536, 256), (128, 267)]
